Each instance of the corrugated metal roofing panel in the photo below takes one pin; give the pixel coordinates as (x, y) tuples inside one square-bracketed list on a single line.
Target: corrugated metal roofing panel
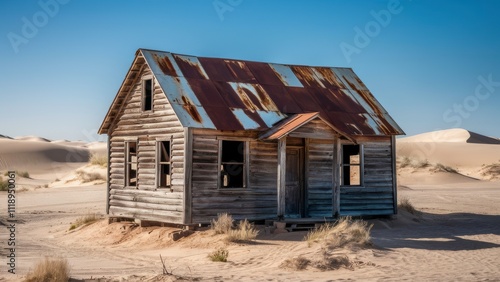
[(286, 75), (190, 66), (307, 76), (162, 63), (264, 73), (253, 96), (247, 120), (216, 69), (240, 71)]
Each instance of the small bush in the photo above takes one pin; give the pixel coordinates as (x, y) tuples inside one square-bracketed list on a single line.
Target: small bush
[(345, 232), (99, 159), (404, 162), (442, 168), (49, 270), (89, 176), (46, 186), (406, 205), (421, 164), (245, 232), (298, 263), (24, 174), (4, 184), (223, 224), (84, 220), (220, 254), (334, 262)]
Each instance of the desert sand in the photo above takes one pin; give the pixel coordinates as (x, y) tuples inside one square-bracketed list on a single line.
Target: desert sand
[(454, 237)]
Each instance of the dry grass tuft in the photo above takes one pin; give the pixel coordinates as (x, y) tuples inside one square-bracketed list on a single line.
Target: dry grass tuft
[(220, 255), (4, 184), (223, 224), (442, 168), (99, 159), (89, 176), (24, 174), (245, 232), (406, 205), (344, 233), (49, 270), (334, 262), (491, 171), (298, 263), (84, 220)]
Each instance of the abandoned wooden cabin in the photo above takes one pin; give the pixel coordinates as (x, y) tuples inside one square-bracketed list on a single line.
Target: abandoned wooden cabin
[(192, 137)]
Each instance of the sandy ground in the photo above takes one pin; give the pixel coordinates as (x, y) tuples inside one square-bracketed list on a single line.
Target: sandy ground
[(456, 237)]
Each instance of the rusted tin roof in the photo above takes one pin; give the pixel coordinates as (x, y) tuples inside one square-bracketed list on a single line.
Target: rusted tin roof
[(228, 94)]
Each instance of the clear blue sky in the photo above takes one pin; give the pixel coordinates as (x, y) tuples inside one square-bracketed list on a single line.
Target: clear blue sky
[(428, 62)]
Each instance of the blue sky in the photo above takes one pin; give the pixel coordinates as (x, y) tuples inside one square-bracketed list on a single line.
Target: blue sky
[(432, 64)]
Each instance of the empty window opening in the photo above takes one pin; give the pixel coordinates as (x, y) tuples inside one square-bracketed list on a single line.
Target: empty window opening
[(147, 95), (164, 164), (232, 165), (351, 165), (131, 164)]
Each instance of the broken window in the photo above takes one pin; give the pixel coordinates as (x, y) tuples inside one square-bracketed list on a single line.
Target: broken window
[(232, 164), (164, 158), (147, 94), (131, 164), (352, 167)]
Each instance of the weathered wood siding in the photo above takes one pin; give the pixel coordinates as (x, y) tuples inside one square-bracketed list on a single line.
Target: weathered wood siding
[(146, 202), (320, 178), (257, 201), (376, 196)]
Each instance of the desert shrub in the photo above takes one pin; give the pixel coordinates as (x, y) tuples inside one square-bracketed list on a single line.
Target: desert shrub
[(298, 263), (421, 164), (49, 270), (319, 233), (24, 174), (4, 184), (89, 176), (84, 220), (442, 168), (220, 254), (404, 162), (223, 224), (406, 205), (345, 232), (99, 159), (244, 232), (333, 262)]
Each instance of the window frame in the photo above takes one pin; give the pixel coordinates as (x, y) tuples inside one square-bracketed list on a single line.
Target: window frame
[(143, 93), (246, 166), (158, 163), (361, 165), (128, 163)]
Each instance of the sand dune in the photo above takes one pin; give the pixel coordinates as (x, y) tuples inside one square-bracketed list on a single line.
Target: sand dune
[(32, 138), (39, 155), (457, 135), (465, 151)]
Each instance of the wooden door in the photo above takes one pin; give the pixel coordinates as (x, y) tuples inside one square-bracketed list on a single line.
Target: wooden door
[(294, 193)]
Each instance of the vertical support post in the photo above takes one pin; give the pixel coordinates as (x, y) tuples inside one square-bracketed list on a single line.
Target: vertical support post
[(108, 175), (188, 165), (281, 176), (394, 175), (337, 161), (306, 177)]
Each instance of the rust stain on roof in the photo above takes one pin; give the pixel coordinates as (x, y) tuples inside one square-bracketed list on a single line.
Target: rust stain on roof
[(165, 65), (191, 109)]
